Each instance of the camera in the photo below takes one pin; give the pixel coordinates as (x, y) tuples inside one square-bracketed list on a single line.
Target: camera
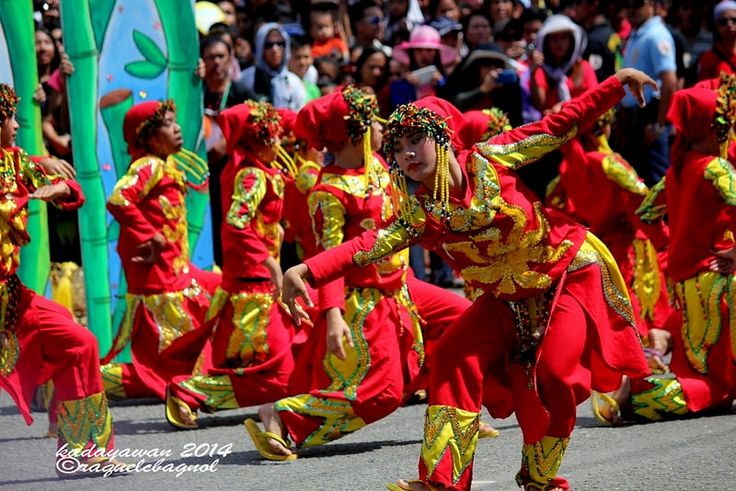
[(508, 76)]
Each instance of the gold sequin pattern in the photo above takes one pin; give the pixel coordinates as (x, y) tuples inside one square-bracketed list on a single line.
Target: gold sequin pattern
[(664, 398), (248, 343), (542, 460), (520, 153), (86, 420), (217, 389), (449, 428)]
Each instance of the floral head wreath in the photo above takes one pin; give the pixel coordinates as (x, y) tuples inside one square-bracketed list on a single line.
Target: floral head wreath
[(409, 118), (725, 116), (362, 110), (498, 122), (266, 122), (148, 127), (8, 101)]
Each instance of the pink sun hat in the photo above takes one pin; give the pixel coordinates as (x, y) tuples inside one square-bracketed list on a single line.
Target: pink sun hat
[(424, 37)]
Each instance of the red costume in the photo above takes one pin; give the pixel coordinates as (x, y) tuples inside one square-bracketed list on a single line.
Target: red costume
[(248, 359), (604, 192), (386, 309), (552, 319), (39, 341), (701, 209), (166, 301)]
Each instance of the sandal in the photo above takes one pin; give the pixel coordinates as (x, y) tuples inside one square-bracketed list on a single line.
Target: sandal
[(392, 486), (260, 440), (601, 402), (487, 431), (173, 406)]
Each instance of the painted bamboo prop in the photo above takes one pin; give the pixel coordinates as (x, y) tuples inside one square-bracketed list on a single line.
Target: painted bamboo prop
[(182, 44), (16, 17), (82, 91), (113, 107)]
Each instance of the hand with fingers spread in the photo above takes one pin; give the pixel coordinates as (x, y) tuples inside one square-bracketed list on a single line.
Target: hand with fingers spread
[(724, 261), (294, 286), (636, 80), (337, 329), (58, 167), (51, 192), (150, 250)]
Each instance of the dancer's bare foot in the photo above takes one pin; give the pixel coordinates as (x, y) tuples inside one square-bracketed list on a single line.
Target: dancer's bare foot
[(621, 396), (53, 431), (186, 414), (272, 423)]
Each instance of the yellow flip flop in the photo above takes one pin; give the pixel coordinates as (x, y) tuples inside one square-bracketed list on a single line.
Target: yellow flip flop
[(172, 413), (260, 438), (598, 401), (392, 486), (487, 431)]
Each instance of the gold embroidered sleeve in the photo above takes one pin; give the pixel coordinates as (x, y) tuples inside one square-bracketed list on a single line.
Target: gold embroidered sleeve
[(722, 175), (398, 235), (142, 176), (523, 152), (33, 174), (653, 207), (248, 192), (328, 219), (620, 172)]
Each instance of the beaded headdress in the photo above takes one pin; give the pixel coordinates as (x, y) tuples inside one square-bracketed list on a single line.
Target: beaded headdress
[(406, 119), (725, 116), (498, 122), (8, 101)]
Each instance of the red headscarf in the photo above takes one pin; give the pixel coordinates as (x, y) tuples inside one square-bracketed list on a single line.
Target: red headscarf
[(691, 112), (288, 119), (140, 122), (452, 116), (332, 119), (257, 122), (482, 125)]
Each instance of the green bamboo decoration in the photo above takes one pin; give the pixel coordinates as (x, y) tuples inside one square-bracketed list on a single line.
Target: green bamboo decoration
[(16, 17), (182, 44), (82, 91)]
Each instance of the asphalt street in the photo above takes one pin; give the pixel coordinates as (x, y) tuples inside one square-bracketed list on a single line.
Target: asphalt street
[(692, 454)]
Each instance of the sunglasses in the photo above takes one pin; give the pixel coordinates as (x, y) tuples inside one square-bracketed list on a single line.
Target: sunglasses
[(374, 20), (724, 21), (273, 44)]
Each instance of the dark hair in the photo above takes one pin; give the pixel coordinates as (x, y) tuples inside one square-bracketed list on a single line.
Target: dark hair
[(212, 39), (512, 31), (531, 14), (297, 43), (465, 21), (357, 10), (364, 55), (56, 59), (222, 28)]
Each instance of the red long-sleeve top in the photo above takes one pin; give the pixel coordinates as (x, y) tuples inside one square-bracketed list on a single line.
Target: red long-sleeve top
[(296, 218), (345, 203), (147, 200), (701, 206), (252, 202), (21, 175), (498, 235), (605, 192)]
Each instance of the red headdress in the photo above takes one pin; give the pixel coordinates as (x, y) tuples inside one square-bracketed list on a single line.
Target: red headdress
[(482, 125), (140, 123), (332, 119), (249, 123)]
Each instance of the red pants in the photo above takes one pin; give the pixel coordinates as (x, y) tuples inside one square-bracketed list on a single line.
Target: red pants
[(338, 398), (53, 347), (248, 358), (586, 346)]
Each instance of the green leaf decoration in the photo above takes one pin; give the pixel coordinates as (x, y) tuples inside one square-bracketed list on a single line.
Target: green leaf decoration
[(149, 49), (144, 69)]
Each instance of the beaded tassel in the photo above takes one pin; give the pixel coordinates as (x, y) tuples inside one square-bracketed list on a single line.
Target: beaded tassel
[(400, 194), (442, 179), (287, 160), (367, 152)]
